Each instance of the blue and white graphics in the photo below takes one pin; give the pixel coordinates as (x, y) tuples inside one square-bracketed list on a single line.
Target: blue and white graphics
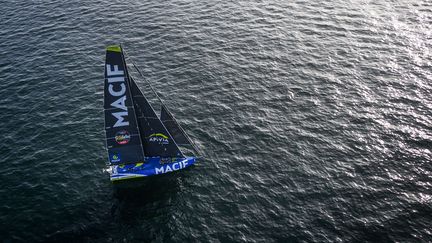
[(171, 167)]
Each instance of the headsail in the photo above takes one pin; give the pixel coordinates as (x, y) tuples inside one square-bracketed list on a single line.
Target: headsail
[(156, 139), (173, 127), (121, 126)]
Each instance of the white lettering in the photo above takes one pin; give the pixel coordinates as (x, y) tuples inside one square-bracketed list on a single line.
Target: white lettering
[(159, 170), (168, 169), (111, 72), (120, 120), (116, 79), (174, 168), (117, 93), (120, 103)]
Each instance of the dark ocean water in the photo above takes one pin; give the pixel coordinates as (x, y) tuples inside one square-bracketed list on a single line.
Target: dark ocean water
[(314, 118)]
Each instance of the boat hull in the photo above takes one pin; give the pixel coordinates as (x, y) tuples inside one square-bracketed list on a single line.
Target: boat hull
[(151, 166)]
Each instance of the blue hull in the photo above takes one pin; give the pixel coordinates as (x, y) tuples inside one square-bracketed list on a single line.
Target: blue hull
[(151, 166)]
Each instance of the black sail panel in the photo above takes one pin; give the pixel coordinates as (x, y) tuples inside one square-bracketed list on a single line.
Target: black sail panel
[(156, 139), (173, 127), (121, 126)]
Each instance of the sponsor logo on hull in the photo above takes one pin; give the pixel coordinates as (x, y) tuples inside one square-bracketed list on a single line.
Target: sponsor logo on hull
[(170, 168)]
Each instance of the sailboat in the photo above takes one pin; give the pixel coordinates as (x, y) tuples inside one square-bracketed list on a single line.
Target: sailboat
[(140, 142)]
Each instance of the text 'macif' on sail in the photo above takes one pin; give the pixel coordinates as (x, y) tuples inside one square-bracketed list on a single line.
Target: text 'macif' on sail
[(121, 127)]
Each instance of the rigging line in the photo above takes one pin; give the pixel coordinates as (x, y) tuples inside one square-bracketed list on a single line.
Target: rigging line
[(151, 87), (163, 104), (194, 147), (160, 100)]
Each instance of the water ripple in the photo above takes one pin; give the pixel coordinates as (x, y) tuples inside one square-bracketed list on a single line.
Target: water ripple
[(313, 118)]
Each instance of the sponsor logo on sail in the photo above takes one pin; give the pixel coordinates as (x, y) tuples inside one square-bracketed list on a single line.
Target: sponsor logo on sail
[(115, 157), (122, 137), (158, 138), (117, 88)]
